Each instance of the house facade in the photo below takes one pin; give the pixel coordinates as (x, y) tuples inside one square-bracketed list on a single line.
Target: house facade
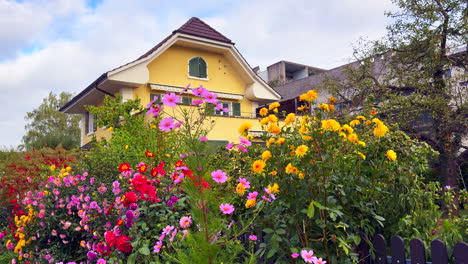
[(194, 54)]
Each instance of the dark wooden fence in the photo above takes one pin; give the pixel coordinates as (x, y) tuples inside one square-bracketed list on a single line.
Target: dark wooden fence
[(417, 252)]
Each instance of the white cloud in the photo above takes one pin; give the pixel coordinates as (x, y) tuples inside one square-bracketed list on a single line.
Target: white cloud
[(80, 43)]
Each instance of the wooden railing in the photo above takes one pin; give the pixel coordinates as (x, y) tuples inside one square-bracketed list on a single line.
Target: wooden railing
[(417, 252)]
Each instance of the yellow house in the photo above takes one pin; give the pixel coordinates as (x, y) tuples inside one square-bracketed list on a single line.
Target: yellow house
[(194, 54)]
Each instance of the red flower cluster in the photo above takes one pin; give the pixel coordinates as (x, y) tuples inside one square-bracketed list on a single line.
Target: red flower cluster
[(129, 198), (146, 189), (158, 171), (149, 154), (122, 242), (142, 167), (124, 167)]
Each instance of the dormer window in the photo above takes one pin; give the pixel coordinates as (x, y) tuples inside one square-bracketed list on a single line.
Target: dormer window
[(197, 68)]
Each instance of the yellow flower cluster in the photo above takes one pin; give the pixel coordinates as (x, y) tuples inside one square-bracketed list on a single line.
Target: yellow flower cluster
[(258, 166), (244, 128), (301, 150), (391, 155), (381, 129), (273, 188), (22, 222), (310, 96), (289, 118), (330, 125), (290, 169), (266, 155)]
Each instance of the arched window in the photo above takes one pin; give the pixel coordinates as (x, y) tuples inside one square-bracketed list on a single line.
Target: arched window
[(197, 67)]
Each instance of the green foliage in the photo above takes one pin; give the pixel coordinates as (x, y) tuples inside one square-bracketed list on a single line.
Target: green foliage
[(414, 77), (48, 127)]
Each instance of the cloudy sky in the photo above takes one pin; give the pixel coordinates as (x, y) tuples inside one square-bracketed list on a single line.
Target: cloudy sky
[(64, 45)]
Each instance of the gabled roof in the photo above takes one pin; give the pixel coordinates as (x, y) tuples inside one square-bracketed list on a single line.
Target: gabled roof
[(193, 27), (199, 28)]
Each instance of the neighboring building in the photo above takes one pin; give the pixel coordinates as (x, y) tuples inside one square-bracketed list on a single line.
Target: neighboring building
[(196, 54), (284, 72)]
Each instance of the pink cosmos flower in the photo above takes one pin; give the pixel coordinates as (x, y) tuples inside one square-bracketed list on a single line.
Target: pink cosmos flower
[(185, 221), (203, 139), (197, 102), (230, 145), (226, 208), (157, 247), (252, 196), (253, 237), (294, 255), (244, 182), (101, 261), (199, 91), (166, 124), (242, 148), (185, 89), (319, 261), (219, 107), (245, 142), (307, 256), (219, 176), (168, 229), (211, 98), (170, 100)]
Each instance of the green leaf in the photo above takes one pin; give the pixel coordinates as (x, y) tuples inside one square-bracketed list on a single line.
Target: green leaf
[(268, 230), (280, 231), (311, 210), (131, 259), (271, 253), (144, 250)]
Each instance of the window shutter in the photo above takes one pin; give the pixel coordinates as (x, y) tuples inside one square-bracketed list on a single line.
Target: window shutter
[(236, 111), (202, 68), (94, 123), (87, 123), (187, 100), (193, 67)]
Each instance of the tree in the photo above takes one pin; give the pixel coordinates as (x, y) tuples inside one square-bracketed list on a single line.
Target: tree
[(48, 127), (417, 77)]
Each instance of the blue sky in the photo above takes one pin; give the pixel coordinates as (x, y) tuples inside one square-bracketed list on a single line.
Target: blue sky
[(63, 45)]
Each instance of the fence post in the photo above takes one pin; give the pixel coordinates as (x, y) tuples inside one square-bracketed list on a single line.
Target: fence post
[(439, 252), (460, 253), (397, 245), (417, 251), (364, 251), (380, 249)]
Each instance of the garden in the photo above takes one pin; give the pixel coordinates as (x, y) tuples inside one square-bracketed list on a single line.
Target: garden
[(310, 189)]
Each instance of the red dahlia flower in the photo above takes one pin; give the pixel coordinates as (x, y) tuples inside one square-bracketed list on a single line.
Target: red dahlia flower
[(123, 244), (124, 167)]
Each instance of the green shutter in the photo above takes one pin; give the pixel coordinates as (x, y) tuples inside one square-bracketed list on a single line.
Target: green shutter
[(193, 67), (187, 100), (87, 123), (201, 68), (236, 110)]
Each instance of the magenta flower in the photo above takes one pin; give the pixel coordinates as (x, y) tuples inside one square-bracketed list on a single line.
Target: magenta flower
[(319, 261), (166, 124), (199, 91), (185, 221), (245, 142), (167, 229), (244, 182), (157, 247), (170, 100), (197, 102), (252, 196), (226, 208), (91, 255), (308, 256), (230, 145), (101, 261), (211, 98), (253, 237), (219, 176), (203, 139)]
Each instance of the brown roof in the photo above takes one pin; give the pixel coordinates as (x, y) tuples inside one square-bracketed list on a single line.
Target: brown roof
[(198, 28)]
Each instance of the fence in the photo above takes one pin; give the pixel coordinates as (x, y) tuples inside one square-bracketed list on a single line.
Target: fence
[(438, 252)]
